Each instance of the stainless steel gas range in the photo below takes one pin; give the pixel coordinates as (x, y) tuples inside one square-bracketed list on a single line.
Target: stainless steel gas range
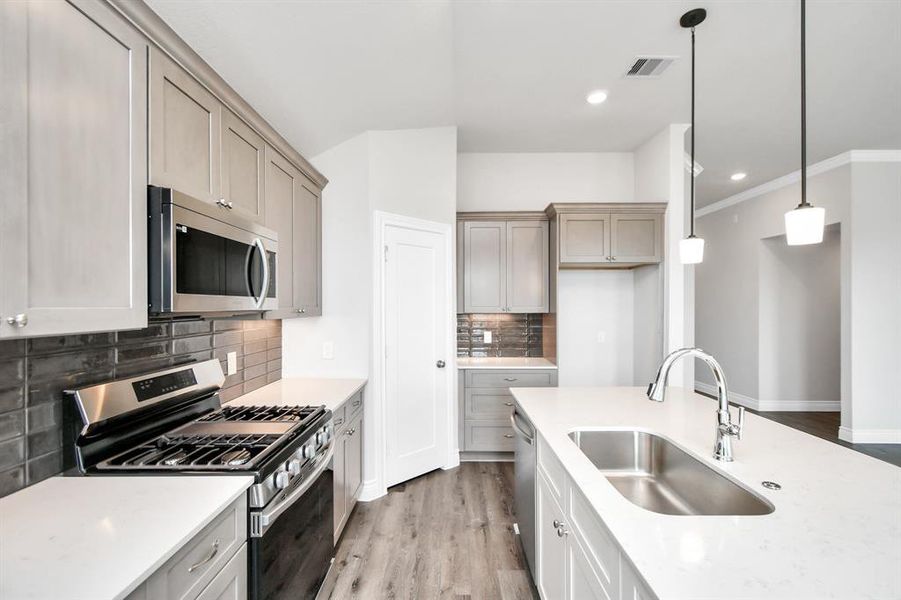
[(171, 422)]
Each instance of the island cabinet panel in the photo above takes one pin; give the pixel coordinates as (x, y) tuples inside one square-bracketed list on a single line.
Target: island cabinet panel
[(550, 551), (294, 212), (73, 233), (636, 238), (185, 131), (582, 582), (242, 167), (484, 266), (632, 586)]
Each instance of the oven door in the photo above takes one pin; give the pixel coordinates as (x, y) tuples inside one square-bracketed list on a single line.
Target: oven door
[(201, 263), (291, 544)]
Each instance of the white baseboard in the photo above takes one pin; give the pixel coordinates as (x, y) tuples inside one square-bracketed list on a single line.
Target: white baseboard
[(371, 491), (774, 405), (869, 436)]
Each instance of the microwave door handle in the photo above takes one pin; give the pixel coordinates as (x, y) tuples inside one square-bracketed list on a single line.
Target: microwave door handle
[(264, 258), (248, 270)]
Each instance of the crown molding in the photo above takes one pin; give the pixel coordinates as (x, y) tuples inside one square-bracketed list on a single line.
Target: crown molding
[(845, 158)]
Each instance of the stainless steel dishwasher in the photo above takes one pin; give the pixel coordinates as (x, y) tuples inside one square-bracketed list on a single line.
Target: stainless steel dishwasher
[(526, 461)]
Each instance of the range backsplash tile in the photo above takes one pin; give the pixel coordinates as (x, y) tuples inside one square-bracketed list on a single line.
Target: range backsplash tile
[(35, 428), (512, 335)]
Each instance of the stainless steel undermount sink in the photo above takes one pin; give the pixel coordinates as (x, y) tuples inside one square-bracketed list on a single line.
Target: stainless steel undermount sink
[(655, 474)]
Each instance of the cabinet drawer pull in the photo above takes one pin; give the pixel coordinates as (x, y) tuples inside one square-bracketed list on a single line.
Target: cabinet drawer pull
[(510, 379), (213, 552), (357, 402), (508, 435), (508, 404), (339, 422)]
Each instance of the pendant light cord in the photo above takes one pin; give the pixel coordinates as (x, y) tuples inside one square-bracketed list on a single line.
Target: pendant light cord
[(804, 202), (692, 170)]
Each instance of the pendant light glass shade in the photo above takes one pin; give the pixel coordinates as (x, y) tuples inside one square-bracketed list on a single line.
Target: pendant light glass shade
[(691, 250), (804, 225)]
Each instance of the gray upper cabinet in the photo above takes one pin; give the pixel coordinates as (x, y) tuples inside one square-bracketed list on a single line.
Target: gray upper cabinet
[(484, 266), (243, 166), (584, 238), (73, 254), (607, 235), (505, 266), (294, 212), (527, 266), (636, 238), (185, 131)]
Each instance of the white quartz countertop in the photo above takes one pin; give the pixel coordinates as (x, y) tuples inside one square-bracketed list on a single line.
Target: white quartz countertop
[(98, 538), (835, 531), (504, 363), (302, 391)]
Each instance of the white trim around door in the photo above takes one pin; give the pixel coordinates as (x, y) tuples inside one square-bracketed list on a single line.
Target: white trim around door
[(375, 438)]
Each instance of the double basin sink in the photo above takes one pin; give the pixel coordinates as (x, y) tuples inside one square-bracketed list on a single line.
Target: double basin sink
[(655, 474)]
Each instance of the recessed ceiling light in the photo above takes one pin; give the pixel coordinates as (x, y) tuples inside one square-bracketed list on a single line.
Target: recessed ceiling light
[(596, 97), (738, 176)]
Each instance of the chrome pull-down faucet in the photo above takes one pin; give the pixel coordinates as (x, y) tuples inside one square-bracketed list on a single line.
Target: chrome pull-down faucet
[(725, 428)]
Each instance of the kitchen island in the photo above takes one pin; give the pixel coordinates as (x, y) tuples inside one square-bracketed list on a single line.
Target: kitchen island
[(835, 531)]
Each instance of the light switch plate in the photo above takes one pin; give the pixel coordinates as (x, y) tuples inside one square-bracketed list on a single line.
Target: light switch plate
[(328, 350), (231, 361), (487, 336)]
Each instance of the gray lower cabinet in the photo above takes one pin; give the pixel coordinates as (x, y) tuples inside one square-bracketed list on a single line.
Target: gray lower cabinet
[(486, 404), (348, 461), (73, 100), (295, 213), (505, 266), (211, 566)]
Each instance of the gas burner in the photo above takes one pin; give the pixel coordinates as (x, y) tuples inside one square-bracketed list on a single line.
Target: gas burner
[(289, 414), (214, 452)]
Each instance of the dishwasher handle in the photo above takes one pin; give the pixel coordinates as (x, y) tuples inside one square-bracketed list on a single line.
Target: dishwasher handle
[(529, 439)]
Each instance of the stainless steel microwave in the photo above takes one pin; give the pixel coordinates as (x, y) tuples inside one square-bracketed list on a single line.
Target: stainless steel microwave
[(203, 259)]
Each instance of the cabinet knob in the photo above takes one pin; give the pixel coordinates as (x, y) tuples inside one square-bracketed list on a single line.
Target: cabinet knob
[(221, 202), (230, 204), (301, 311), (19, 320), (613, 258)]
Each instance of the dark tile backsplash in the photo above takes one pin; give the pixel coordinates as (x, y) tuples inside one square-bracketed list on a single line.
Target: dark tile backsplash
[(35, 444), (512, 334)]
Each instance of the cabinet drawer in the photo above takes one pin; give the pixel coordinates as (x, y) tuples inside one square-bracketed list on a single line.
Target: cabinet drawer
[(508, 379), (339, 417), (192, 568), (487, 403), (354, 406), (489, 436), (552, 469)]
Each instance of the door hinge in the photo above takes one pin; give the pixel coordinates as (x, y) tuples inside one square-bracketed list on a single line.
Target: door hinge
[(386, 252)]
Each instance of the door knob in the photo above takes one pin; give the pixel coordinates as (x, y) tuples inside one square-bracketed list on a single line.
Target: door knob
[(440, 364)]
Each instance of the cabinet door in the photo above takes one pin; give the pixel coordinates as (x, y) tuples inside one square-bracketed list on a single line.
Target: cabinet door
[(584, 238), (485, 266), (636, 238), (550, 547), (354, 462), (185, 121), (73, 194), (582, 583), (243, 158), (308, 251), (231, 582), (339, 462), (282, 185), (527, 266), (633, 587)]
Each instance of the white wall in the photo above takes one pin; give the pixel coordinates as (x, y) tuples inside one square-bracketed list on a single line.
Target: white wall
[(800, 323), (531, 181), (647, 325), (592, 303), (346, 273)]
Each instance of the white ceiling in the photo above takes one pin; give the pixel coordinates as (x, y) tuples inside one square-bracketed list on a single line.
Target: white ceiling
[(513, 75)]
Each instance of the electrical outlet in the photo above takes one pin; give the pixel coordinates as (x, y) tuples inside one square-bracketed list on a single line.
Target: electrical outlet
[(231, 363), (602, 337), (487, 336), (328, 350)]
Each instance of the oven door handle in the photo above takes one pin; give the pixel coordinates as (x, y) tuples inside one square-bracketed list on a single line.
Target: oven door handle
[(268, 516)]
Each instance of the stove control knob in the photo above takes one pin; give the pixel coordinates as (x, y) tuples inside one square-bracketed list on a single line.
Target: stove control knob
[(309, 451), (282, 478), (327, 432), (294, 467), (319, 438)]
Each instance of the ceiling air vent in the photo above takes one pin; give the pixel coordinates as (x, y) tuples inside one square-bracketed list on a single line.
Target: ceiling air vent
[(649, 66)]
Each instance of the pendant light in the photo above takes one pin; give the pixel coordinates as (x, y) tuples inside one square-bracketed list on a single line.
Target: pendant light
[(804, 224), (691, 249)]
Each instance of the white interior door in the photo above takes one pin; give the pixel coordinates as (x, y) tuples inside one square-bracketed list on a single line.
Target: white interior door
[(416, 307)]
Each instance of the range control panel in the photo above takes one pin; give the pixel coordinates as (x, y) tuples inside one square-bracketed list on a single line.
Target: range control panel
[(160, 385)]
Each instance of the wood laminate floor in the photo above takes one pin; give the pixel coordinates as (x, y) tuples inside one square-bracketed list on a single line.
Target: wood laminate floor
[(447, 534)]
